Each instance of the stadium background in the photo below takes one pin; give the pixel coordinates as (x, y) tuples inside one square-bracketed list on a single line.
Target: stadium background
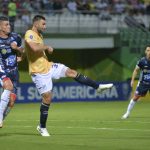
[(85, 125), (110, 60)]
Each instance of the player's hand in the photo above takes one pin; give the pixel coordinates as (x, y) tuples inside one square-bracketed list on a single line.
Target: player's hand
[(13, 45), (19, 59), (49, 50), (20, 49)]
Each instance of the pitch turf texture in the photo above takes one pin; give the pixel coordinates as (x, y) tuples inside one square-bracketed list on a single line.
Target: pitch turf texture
[(78, 126)]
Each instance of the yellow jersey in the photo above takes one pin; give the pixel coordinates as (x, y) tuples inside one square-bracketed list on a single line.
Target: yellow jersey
[(38, 62)]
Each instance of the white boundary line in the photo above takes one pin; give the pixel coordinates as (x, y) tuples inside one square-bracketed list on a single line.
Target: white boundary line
[(113, 129), (86, 128), (100, 121)]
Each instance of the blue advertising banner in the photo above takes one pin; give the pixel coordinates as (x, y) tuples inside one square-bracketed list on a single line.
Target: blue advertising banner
[(72, 91)]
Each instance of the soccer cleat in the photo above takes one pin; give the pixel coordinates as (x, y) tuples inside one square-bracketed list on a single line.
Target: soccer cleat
[(42, 131), (103, 87), (125, 116), (1, 124)]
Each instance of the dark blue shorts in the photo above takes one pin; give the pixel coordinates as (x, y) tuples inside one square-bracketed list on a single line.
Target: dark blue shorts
[(13, 75), (142, 89)]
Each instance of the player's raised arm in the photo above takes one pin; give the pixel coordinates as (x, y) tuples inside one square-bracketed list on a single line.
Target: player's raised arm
[(37, 47)]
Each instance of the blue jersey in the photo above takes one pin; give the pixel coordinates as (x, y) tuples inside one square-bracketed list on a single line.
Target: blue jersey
[(8, 56), (8, 59), (144, 65)]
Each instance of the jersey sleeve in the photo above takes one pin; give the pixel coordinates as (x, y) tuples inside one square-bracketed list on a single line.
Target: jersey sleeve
[(2, 69), (19, 41), (31, 37), (17, 38), (139, 64)]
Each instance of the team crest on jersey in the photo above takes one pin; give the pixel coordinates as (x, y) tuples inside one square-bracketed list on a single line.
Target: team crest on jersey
[(31, 36), (4, 51)]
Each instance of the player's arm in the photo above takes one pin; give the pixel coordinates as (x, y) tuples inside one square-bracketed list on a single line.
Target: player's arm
[(134, 74), (15, 47), (19, 51), (16, 43), (20, 56), (32, 41), (19, 59), (36, 47)]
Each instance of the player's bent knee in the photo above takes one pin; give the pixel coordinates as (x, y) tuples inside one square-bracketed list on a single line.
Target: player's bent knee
[(136, 97), (13, 97), (7, 84), (71, 73), (47, 97)]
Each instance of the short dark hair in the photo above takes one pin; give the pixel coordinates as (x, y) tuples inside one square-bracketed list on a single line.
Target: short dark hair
[(3, 18), (38, 17)]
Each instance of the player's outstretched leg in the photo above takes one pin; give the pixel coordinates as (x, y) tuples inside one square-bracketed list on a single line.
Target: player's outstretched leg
[(10, 105), (103, 87), (130, 107), (87, 81)]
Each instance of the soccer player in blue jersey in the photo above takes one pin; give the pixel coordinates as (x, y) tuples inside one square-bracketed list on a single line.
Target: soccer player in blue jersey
[(143, 85), (10, 47)]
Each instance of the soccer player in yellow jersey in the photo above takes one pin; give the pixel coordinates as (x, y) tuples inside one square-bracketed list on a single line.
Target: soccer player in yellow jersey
[(42, 71)]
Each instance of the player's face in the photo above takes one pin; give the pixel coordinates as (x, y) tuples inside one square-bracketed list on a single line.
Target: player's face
[(5, 27), (41, 26), (147, 52)]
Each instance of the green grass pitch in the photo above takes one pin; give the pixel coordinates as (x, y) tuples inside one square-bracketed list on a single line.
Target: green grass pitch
[(78, 126)]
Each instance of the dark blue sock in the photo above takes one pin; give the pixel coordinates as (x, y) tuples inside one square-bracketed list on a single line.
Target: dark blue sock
[(43, 114), (86, 81)]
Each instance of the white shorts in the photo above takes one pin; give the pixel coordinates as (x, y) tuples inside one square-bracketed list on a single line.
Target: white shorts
[(43, 82)]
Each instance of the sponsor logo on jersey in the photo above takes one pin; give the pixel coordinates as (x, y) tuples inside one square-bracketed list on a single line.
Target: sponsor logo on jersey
[(2, 45), (146, 71), (4, 51), (145, 66)]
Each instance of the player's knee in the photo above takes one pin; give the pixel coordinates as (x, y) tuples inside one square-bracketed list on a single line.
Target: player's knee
[(47, 97), (13, 97), (71, 73), (136, 97), (7, 84)]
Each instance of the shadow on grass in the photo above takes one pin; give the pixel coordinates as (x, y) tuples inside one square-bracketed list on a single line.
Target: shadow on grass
[(18, 133)]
